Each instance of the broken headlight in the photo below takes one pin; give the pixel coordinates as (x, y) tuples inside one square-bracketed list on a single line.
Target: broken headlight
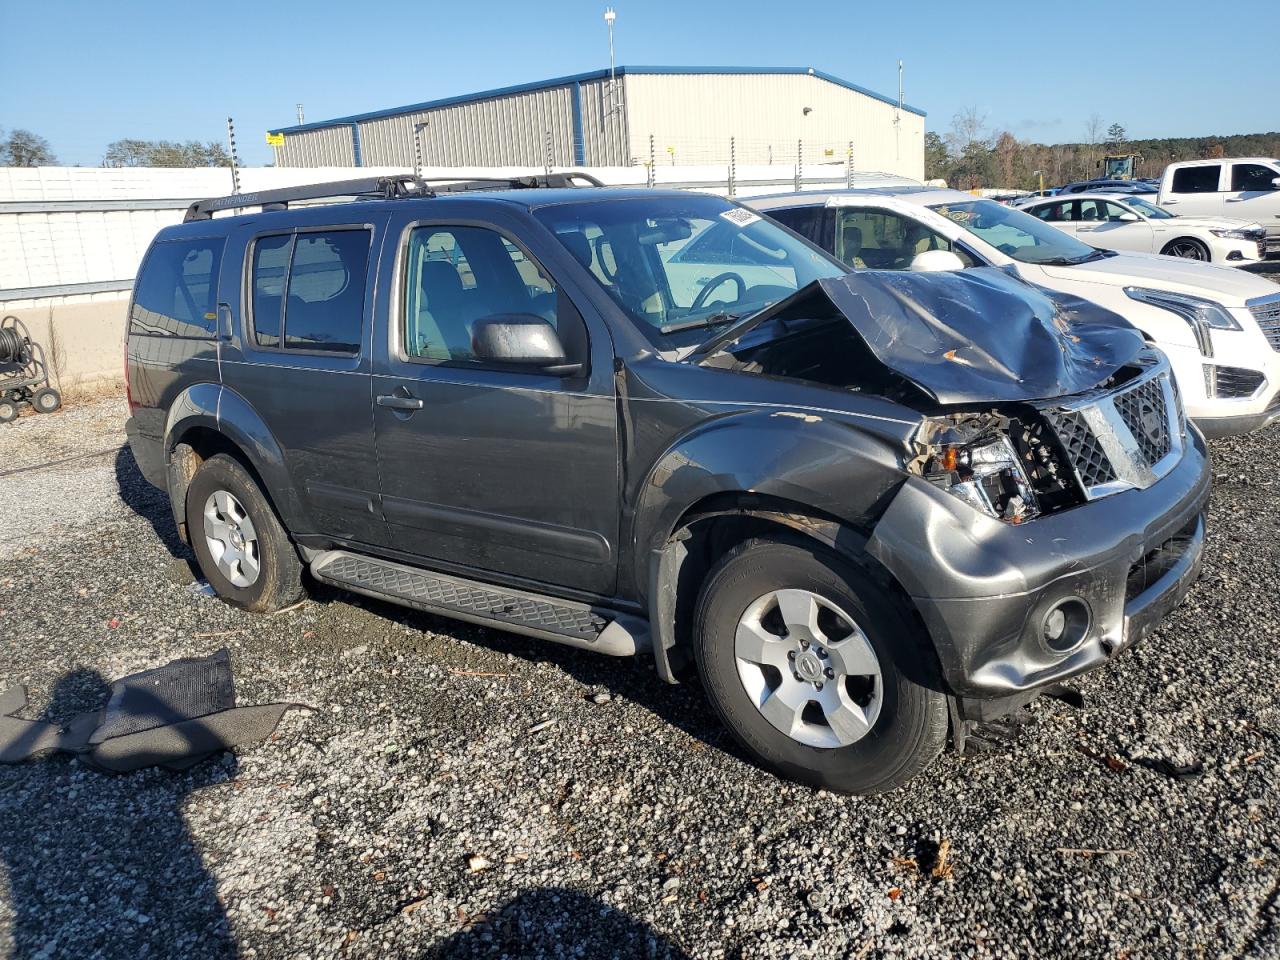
[(985, 472)]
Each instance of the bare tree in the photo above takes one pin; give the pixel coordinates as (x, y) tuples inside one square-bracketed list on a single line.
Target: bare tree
[(22, 148), (1092, 136), (968, 129)]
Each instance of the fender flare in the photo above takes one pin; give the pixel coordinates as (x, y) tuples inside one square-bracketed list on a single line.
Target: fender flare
[(223, 411), (820, 478)]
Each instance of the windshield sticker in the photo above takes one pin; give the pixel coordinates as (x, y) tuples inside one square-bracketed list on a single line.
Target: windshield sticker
[(740, 216)]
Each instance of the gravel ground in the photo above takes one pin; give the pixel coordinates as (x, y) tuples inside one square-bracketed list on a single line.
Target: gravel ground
[(417, 812)]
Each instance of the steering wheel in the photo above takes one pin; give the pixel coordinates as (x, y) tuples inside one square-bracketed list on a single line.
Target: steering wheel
[(704, 294)]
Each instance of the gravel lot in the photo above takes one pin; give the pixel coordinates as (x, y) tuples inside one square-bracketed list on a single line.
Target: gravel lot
[(416, 813)]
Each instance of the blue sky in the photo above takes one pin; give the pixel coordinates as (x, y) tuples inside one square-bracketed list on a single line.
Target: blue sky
[(85, 73)]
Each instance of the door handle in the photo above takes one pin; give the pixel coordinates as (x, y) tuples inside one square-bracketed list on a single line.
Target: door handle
[(1235, 199), (399, 403)]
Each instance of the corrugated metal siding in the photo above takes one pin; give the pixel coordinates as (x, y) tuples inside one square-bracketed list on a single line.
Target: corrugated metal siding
[(499, 132), (696, 114), (324, 147), (604, 128)]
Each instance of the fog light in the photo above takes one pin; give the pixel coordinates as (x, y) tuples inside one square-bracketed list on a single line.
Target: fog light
[(1066, 625)]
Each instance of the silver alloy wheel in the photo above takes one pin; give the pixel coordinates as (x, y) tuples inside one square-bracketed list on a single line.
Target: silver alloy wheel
[(808, 668), (232, 541), (1187, 249)]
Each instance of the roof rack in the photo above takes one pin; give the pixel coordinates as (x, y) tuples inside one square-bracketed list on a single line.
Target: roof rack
[(378, 188)]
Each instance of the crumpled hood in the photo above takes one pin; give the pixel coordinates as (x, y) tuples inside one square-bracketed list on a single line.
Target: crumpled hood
[(972, 336)]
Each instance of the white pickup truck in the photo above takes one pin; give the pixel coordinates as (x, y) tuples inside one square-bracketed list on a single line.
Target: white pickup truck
[(1247, 188)]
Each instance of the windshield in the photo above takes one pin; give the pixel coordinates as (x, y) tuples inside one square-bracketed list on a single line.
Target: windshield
[(679, 266), (1149, 209), (1016, 234)]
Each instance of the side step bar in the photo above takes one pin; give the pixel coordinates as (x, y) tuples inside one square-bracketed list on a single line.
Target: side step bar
[(564, 621)]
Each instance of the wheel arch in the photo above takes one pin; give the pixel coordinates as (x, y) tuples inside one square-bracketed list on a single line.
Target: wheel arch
[(715, 524), (208, 419), (1189, 239)]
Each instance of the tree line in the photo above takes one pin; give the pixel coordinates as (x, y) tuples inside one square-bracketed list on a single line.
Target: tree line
[(971, 154), (22, 148)]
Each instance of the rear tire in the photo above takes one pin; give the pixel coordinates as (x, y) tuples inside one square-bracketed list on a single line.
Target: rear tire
[(46, 400), (242, 549), (8, 410), (858, 711), (1187, 248)]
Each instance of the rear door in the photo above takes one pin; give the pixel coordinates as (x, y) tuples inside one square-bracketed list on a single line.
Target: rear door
[(1061, 214), (301, 358), (1197, 190), (489, 470)]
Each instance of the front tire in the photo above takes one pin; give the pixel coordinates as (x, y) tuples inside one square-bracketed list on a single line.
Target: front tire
[(816, 668), (242, 549), (8, 410), (1187, 248)]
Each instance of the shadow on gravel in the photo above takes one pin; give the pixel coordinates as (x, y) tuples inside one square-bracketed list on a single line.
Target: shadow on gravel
[(554, 922), (681, 705), (150, 503), (103, 865)]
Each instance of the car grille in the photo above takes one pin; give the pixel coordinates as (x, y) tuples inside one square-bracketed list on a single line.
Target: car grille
[(1232, 383), (1267, 313), (1123, 439)]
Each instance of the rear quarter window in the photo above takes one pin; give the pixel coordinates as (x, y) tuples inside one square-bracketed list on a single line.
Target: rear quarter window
[(176, 292)]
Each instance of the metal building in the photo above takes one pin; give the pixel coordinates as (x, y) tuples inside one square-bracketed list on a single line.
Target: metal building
[(677, 115)]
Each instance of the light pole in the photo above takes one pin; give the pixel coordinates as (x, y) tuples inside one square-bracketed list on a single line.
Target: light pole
[(609, 17)]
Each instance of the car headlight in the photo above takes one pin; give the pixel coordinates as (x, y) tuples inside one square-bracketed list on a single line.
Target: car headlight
[(1201, 315), (1239, 233), (986, 474)]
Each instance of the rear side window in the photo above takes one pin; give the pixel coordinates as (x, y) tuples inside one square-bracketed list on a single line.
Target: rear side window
[(308, 290), (1196, 179), (806, 221), (176, 292)]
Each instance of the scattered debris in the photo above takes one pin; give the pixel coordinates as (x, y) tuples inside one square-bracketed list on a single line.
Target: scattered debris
[(201, 588), (476, 863), (543, 725), (1086, 852), (942, 867), (601, 698)]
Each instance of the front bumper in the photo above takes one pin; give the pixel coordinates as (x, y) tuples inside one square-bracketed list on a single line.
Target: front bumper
[(984, 587)]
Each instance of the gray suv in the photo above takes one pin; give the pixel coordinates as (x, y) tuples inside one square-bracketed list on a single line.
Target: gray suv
[(865, 509)]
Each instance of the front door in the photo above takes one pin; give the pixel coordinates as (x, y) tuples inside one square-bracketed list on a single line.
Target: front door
[(1110, 232), (486, 468)]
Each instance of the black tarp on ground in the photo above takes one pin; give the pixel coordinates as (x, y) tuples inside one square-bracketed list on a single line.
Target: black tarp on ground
[(173, 716)]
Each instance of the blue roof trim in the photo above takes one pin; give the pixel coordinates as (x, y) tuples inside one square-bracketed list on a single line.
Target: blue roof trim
[(582, 78)]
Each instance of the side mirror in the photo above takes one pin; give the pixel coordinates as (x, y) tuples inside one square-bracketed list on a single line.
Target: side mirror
[(933, 261), (1127, 217), (521, 339), (1275, 183)]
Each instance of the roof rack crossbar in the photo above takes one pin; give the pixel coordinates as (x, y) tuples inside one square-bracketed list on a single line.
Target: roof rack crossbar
[(383, 188)]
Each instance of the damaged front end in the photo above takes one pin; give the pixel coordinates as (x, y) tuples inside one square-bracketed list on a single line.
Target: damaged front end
[(1052, 511)]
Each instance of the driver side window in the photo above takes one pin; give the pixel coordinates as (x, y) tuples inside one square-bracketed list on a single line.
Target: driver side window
[(455, 276)]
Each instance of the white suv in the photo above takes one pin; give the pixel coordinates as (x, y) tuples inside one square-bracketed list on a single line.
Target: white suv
[(1219, 326)]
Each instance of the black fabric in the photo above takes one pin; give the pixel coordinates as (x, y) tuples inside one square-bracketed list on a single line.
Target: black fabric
[(173, 716)]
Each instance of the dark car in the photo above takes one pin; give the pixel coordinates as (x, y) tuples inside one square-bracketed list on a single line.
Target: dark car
[(864, 508), (1110, 186)]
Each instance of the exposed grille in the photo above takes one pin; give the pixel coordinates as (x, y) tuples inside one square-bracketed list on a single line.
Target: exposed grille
[(1235, 382), (1086, 453), (1143, 411), (1123, 439), (1267, 313)]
